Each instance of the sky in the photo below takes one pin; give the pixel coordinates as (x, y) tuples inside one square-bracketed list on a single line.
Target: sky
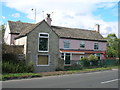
[(83, 14)]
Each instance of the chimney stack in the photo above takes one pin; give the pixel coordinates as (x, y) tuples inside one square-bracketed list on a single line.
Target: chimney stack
[(97, 27), (48, 19)]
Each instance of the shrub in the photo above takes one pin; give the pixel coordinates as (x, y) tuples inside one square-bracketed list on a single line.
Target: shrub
[(16, 67), (92, 58), (85, 62), (73, 67)]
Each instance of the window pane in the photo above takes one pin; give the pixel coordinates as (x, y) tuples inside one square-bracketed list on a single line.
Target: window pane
[(42, 59), (82, 44), (96, 46), (45, 35), (43, 44), (67, 58), (66, 44)]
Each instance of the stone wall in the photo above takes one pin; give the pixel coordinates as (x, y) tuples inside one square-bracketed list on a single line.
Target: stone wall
[(32, 48)]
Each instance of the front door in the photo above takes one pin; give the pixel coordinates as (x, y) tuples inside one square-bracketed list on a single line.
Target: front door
[(67, 58)]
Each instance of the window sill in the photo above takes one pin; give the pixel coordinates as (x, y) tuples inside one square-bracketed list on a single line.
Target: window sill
[(96, 49), (43, 65), (43, 51), (67, 64)]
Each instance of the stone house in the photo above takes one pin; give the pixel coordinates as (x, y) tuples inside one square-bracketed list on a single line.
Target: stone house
[(52, 47)]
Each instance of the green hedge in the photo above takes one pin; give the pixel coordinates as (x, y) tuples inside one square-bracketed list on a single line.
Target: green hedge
[(16, 67)]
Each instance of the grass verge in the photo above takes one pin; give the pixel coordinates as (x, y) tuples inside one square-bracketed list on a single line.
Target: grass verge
[(31, 75), (20, 76)]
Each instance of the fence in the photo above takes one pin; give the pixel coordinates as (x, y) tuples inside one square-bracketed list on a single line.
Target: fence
[(87, 63), (100, 63), (77, 65), (12, 52), (16, 49), (108, 62)]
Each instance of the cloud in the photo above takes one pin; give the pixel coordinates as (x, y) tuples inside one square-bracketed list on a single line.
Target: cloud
[(3, 17), (70, 13), (16, 15)]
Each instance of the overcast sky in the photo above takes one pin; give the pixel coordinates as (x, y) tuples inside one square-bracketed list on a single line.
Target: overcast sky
[(68, 13)]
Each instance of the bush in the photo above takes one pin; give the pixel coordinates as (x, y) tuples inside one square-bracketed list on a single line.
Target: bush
[(16, 67), (85, 62), (92, 58), (90, 61), (73, 67)]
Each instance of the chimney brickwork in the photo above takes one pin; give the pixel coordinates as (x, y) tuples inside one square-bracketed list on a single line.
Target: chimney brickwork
[(97, 27), (48, 19)]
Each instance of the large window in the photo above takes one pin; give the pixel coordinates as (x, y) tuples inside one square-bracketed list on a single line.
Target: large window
[(43, 60), (96, 46), (82, 44), (66, 44), (43, 42)]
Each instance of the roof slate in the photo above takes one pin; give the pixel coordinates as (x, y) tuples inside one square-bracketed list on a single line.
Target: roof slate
[(77, 33), (62, 32), (18, 26)]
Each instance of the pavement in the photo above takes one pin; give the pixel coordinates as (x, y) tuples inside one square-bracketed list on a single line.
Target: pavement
[(102, 79)]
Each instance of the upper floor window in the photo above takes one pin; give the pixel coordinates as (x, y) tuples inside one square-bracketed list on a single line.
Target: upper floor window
[(96, 46), (66, 44), (43, 42), (82, 44)]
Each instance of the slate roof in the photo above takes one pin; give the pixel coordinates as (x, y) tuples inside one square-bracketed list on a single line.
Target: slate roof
[(62, 32), (28, 29), (18, 26), (76, 33)]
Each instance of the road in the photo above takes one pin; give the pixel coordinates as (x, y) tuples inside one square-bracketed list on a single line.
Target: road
[(103, 79)]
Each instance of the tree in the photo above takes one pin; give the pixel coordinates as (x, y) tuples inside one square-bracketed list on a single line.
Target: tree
[(112, 45), (2, 32)]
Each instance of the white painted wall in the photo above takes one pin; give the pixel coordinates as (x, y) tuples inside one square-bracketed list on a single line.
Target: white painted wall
[(22, 41), (7, 36)]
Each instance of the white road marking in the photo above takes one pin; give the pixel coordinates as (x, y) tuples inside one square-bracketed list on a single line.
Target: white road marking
[(109, 81)]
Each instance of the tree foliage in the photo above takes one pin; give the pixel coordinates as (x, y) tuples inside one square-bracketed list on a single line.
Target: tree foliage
[(2, 32), (112, 45)]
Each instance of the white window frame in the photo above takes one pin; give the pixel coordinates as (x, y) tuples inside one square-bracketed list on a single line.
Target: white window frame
[(81, 43), (43, 55), (94, 46), (64, 44), (81, 56), (43, 37)]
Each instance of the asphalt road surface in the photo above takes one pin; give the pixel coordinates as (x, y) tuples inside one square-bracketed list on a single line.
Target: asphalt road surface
[(102, 79)]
